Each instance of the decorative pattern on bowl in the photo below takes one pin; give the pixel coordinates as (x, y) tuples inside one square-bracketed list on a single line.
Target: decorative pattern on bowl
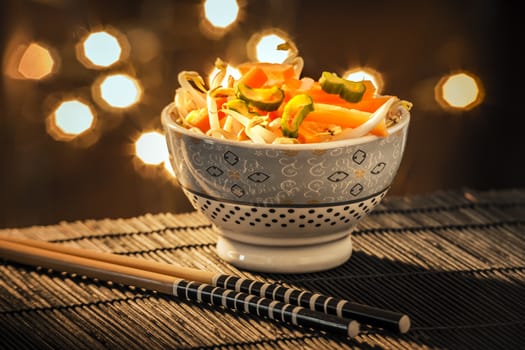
[(284, 195), (285, 225)]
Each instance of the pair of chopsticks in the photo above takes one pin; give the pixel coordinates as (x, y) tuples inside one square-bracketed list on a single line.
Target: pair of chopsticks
[(290, 305)]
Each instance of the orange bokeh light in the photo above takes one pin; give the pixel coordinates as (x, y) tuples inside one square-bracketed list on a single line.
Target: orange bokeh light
[(36, 63)]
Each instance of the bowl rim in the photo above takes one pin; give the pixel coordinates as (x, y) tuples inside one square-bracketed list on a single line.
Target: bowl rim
[(169, 123)]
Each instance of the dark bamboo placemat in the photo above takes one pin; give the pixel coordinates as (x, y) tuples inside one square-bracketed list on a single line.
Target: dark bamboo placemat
[(454, 261)]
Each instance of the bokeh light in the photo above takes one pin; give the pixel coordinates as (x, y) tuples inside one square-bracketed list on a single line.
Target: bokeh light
[(36, 63), (101, 49), (73, 117), (366, 73), (218, 17), (70, 119), (264, 46), (462, 91), (267, 49), (118, 91), (151, 148), (221, 13)]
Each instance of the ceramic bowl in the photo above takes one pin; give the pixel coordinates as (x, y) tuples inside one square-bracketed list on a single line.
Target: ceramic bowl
[(286, 208)]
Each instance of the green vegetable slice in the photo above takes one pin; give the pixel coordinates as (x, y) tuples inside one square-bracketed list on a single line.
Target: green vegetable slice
[(351, 91), (331, 83), (239, 106), (266, 99), (294, 113)]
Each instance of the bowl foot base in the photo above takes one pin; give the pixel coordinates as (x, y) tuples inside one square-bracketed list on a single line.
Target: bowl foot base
[(285, 259)]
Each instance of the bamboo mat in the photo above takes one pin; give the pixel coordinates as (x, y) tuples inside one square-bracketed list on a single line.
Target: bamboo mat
[(453, 260)]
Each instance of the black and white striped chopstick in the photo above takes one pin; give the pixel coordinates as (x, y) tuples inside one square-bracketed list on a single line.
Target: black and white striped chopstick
[(365, 314)]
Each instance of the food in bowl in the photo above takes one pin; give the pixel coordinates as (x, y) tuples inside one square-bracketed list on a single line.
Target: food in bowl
[(284, 166), (271, 103)]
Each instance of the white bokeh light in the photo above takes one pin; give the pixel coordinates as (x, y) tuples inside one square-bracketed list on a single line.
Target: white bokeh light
[(221, 13), (102, 49), (460, 90), (120, 90), (73, 117), (151, 148), (267, 51)]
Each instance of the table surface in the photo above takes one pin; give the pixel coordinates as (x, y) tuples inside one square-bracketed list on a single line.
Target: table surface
[(453, 260)]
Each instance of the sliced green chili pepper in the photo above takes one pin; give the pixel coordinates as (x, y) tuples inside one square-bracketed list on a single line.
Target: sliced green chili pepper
[(239, 106), (294, 113), (351, 91), (331, 83), (266, 99)]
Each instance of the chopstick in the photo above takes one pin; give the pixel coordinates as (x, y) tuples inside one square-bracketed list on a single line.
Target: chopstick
[(373, 316), (189, 290)]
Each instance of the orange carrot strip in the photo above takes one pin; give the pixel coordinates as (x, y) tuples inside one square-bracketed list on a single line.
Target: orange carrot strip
[(309, 131), (368, 105), (292, 84), (241, 136), (199, 120), (346, 119), (220, 101), (255, 77), (278, 72), (370, 90)]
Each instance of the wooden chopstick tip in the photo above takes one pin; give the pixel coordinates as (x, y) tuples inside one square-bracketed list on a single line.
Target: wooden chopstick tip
[(353, 329), (404, 324)]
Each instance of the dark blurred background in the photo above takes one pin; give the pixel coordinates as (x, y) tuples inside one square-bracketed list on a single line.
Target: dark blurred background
[(413, 44)]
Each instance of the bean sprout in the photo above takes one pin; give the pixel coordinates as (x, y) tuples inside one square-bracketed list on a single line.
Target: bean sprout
[(184, 79)]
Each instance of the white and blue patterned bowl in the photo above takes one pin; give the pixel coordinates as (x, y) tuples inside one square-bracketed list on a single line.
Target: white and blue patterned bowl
[(284, 207)]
